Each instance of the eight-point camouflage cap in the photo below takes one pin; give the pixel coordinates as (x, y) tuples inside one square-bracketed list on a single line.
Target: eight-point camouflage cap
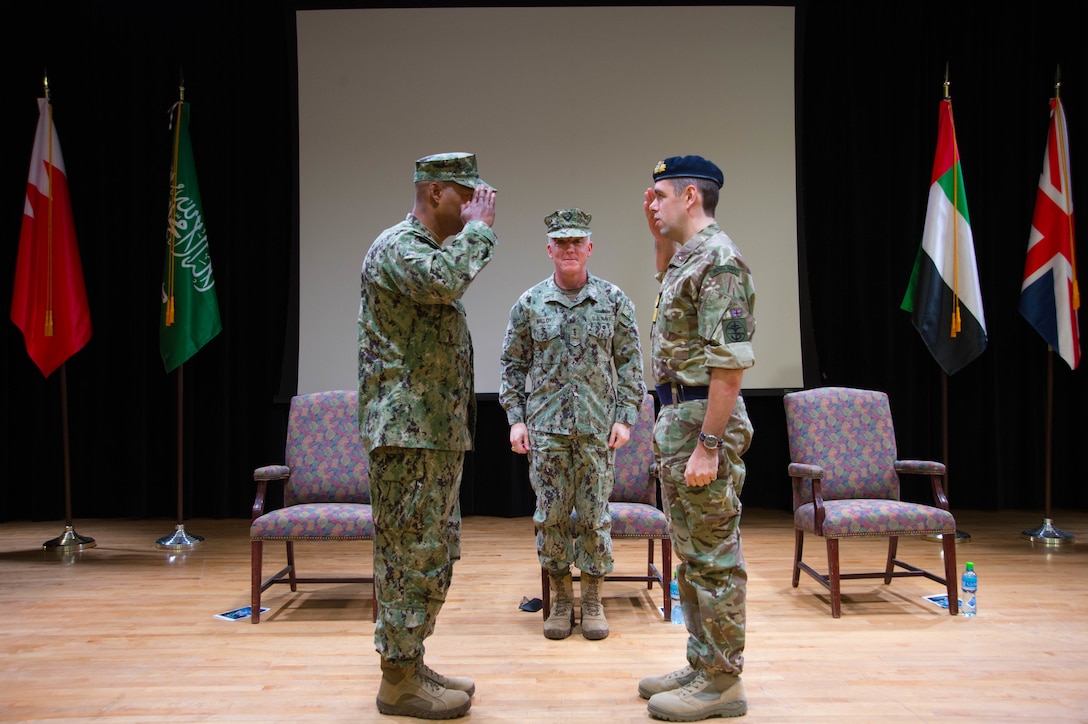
[(568, 224), (457, 167)]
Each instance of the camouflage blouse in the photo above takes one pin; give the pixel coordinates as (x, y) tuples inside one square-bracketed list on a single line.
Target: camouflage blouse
[(415, 352), (704, 311), (558, 358)]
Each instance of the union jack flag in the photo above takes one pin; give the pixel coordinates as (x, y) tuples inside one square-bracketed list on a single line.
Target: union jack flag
[(1049, 296)]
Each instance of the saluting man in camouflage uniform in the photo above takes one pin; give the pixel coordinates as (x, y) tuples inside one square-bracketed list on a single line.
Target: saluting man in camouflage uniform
[(702, 343), (567, 337), (417, 416)]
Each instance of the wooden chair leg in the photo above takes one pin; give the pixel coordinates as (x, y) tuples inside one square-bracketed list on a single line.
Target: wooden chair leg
[(893, 546), (291, 565), (256, 555), (666, 573), (948, 541), (374, 601), (833, 576), (798, 546), (650, 568), (545, 593)]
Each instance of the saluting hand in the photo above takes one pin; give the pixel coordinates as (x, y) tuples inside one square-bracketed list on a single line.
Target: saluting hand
[(481, 207)]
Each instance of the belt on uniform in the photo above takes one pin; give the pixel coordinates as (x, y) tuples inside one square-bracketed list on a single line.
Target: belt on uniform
[(683, 393)]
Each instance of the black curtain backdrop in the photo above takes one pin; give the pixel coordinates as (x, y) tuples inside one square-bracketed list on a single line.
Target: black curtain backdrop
[(869, 83)]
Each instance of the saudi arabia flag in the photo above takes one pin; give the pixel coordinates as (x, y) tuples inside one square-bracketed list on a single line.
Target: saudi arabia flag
[(190, 310), (944, 297)]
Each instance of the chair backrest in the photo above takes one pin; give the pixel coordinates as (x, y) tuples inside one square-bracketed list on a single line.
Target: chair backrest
[(634, 483), (848, 433), (324, 450)]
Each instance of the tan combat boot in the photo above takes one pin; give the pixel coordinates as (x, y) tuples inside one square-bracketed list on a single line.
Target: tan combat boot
[(561, 619), (459, 683), (705, 696), (594, 625), (404, 691), (650, 685)]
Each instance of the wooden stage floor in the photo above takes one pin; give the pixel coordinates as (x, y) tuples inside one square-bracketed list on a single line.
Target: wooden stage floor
[(125, 632)]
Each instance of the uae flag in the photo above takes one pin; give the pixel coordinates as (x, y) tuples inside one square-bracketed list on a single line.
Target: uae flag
[(49, 301), (943, 296), (1049, 296), (190, 311)]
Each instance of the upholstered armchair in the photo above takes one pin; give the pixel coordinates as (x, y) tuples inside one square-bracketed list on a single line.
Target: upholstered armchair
[(845, 474), (326, 494)]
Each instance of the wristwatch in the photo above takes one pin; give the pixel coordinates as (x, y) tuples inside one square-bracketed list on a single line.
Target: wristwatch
[(710, 442)]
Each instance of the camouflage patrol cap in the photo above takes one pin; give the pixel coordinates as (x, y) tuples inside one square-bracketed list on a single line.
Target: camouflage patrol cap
[(457, 167), (567, 224), (688, 167)]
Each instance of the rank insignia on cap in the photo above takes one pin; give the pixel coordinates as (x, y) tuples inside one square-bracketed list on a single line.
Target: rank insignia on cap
[(659, 167)]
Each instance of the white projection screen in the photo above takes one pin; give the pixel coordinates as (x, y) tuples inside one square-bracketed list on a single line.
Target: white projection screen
[(563, 106)]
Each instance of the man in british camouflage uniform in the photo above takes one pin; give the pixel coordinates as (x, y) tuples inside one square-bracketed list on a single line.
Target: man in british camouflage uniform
[(702, 343)]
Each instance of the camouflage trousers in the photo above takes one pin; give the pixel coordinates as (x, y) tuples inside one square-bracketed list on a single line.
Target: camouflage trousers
[(417, 539), (705, 530), (572, 472)]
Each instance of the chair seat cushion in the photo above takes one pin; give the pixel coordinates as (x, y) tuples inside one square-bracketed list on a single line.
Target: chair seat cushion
[(638, 520), (867, 517), (315, 521)]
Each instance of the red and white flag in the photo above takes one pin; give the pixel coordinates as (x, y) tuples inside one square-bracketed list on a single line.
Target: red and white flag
[(1049, 296), (49, 301)]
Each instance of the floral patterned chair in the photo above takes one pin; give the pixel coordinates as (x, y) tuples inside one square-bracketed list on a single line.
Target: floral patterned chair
[(845, 476), (633, 505), (326, 496)]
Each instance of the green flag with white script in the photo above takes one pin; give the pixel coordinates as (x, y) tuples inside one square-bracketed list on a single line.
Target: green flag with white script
[(190, 311)]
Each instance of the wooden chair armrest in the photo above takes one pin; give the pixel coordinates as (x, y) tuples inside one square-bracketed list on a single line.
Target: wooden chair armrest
[(815, 475), (262, 475), (805, 470), (934, 470), (919, 467)]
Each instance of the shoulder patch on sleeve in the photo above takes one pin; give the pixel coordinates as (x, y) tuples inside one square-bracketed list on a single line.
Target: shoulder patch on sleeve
[(723, 269)]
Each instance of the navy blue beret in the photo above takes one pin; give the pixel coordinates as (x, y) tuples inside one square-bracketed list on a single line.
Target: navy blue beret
[(688, 167)]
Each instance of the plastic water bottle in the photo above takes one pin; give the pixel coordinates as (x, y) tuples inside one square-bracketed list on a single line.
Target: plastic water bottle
[(970, 587), (674, 588), (677, 614)]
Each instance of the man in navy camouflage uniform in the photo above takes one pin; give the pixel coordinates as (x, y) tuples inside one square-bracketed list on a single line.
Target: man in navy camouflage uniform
[(702, 343), (417, 417), (572, 387)]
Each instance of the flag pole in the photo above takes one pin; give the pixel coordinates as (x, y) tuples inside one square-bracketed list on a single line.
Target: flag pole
[(961, 536), (69, 540), (180, 539), (1046, 534)]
